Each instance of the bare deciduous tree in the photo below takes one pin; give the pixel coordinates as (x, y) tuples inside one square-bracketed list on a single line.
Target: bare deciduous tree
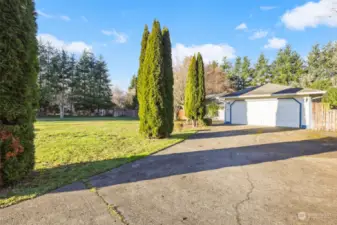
[(180, 71), (119, 97), (216, 80)]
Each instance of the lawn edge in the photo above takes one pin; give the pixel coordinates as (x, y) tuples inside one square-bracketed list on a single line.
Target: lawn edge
[(83, 180)]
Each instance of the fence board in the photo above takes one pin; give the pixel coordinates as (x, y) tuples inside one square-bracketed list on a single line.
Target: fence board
[(324, 118)]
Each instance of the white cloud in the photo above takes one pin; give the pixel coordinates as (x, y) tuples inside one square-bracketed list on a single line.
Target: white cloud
[(84, 19), (74, 47), (65, 18), (107, 32), (50, 16), (276, 43), (311, 14), (241, 26), (209, 52), (259, 34), (43, 14), (267, 8), (119, 36)]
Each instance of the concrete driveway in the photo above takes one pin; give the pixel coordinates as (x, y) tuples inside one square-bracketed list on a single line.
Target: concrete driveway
[(226, 175)]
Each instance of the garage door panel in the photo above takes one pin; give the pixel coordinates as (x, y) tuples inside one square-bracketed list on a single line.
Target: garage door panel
[(267, 112), (239, 112), (288, 113), (262, 112)]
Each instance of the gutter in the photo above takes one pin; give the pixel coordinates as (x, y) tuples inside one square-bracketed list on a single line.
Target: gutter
[(271, 96)]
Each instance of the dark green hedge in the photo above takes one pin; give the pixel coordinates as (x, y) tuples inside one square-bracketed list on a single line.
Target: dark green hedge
[(18, 89)]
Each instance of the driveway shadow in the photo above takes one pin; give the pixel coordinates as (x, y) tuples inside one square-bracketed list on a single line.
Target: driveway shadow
[(240, 132), (160, 166)]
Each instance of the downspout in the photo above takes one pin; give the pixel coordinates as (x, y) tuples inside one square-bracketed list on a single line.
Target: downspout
[(230, 108)]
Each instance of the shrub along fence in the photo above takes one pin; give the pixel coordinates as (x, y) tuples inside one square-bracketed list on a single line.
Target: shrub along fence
[(324, 118)]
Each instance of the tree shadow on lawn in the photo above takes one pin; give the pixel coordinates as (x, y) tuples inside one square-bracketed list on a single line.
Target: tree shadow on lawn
[(166, 165)]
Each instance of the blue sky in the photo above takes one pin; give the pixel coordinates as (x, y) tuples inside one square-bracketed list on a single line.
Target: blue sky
[(215, 28)]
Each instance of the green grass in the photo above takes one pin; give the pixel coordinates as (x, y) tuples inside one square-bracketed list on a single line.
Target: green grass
[(75, 149)]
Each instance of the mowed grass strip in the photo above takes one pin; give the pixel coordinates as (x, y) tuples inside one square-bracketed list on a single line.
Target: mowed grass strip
[(75, 149)]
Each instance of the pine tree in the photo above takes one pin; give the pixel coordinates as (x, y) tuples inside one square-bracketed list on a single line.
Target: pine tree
[(45, 81), (72, 82), (287, 68), (153, 118), (168, 78), (18, 88), (142, 82), (236, 74), (245, 73), (102, 81), (191, 91), (61, 71), (261, 71), (81, 89), (226, 66), (201, 88)]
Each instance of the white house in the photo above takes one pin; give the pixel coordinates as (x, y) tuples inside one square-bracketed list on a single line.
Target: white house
[(271, 105)]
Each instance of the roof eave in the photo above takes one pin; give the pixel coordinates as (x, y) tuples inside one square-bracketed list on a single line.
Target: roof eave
[(273, 95)]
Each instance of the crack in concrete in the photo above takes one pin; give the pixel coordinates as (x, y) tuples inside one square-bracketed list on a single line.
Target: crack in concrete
[(112, 209), (248, 194)]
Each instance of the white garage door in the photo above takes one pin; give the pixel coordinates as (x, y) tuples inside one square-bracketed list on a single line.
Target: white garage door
[(288, 113), (267, 112), (239, 112)]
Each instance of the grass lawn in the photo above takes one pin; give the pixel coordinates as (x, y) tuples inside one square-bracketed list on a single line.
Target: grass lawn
[(77, 148)]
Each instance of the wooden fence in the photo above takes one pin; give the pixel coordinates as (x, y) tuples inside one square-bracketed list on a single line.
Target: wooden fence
[(125, 112), (324, 118)]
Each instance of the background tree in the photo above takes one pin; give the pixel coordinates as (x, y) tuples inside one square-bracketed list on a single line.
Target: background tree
[(132, 93), (201, 88), (61, 70), (18, 88), (66, 83), (102, 83), (287, 68), (331, 97), (180, 78), (191, 92), (314, 67), (261, 73), (216, 80), (119, 97), (226, 66), (168, 76), (236, 74), (246, 73)]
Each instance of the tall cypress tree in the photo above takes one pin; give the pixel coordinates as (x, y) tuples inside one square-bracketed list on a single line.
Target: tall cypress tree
[(168, 75), (142, 81), (201, 88), (18, 88), (191, 92), (153, 118)]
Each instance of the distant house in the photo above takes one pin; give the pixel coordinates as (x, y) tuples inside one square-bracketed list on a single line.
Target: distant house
[(270, 105)]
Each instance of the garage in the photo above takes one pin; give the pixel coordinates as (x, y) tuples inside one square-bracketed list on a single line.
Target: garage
[(267, 112), (271, 105)]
